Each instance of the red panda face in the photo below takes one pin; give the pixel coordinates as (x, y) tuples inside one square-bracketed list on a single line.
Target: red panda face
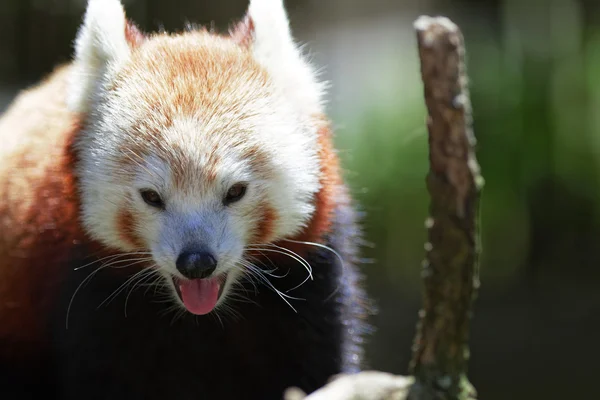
[(197, 147)]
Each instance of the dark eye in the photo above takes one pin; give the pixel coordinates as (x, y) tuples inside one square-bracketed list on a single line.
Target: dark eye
[(152, 198), (235, 193)]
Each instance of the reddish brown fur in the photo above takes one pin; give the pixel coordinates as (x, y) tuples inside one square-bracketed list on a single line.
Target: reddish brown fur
[(127, 229), (39, 211), (266, 224), (211, 166), (259, 160)]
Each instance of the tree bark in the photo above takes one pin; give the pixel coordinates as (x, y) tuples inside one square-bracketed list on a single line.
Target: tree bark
[(451, 267)]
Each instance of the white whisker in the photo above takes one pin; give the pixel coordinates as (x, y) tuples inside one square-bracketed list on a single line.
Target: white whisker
[(284, 251), (142, 279), (293, 255), (320, 246), (116, 292), (108, 264), (326, 248), (83, 282), (258, 273), (111, 257)]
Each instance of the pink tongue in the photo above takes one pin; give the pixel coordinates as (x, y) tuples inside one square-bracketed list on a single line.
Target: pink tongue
[(200, 295)]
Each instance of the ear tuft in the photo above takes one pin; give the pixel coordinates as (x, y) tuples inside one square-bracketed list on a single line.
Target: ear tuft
[(266, 31), (243, 32), (133, 35), (271, 24), (101, 44)]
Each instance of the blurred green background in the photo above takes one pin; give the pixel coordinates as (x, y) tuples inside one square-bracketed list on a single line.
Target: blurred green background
[(534, 70)]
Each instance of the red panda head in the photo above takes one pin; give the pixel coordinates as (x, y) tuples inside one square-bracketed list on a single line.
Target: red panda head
[(197, 147)]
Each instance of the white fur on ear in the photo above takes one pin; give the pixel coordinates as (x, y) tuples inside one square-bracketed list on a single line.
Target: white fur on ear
[(274, 48), (100, 46)]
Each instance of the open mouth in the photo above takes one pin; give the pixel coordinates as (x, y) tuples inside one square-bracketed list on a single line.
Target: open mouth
[(200, 296)]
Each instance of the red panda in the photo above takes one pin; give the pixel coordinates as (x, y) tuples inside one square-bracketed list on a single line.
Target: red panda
[(174, 220)]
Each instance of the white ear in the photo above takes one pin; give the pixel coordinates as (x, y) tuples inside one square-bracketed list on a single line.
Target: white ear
[(100, 46), (274, 48)]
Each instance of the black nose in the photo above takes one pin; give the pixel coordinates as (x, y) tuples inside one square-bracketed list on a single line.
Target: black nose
[(196, 265)]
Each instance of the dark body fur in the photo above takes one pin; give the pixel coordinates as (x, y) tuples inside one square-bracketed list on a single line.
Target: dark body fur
[(147, 354)]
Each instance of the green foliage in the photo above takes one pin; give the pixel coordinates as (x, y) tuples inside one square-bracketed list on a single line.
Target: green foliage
[(536, 117)]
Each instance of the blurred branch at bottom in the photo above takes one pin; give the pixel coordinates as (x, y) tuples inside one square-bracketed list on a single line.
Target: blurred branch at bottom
[(368, 385)]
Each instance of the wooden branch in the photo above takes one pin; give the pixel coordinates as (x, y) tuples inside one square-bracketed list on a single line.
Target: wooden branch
[(451, 267)]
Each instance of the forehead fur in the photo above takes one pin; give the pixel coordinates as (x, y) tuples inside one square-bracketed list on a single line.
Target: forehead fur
[(194, 91), (190, 73)]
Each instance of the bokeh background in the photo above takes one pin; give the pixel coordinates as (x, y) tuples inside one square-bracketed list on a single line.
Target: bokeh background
[(535, 83)]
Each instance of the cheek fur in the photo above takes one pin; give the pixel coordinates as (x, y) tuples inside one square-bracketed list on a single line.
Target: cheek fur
[(127, 228), (266, 222)]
